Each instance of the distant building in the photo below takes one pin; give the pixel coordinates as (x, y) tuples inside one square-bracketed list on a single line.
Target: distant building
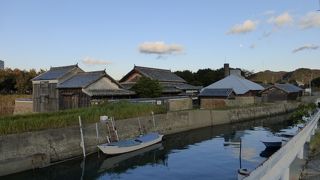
[(172, 84), (233, 90), (1, 65), (281, 92)]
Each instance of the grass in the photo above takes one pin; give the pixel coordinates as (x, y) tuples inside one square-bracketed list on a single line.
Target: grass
[(315, 144), (41, 121), (7, 103)]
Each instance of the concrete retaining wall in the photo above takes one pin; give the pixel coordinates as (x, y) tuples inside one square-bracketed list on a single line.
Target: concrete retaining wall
[(19, 152)]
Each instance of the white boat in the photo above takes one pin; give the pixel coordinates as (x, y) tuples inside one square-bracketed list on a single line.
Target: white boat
[(272, 142), (130, 145), (114, 161)]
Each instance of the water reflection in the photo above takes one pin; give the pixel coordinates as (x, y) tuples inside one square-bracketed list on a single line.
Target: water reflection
[(199, 154)]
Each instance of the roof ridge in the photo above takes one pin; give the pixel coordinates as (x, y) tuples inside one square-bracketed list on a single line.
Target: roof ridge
[(152, 68), (92, 72), (61, 67)]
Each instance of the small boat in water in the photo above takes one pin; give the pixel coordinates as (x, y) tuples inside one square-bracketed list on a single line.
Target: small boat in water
[(272, 142), (129, 145)]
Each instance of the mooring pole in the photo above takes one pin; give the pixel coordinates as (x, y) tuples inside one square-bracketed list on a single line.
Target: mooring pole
[(153, 121), (97, 131), (240, 154), (140, 128), (82, 139)]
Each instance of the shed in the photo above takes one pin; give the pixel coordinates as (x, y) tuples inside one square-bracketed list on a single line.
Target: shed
[(281, 92), (45, 94)]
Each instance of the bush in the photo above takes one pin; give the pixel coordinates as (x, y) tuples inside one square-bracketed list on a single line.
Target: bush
[(147, 88), (303, 110)]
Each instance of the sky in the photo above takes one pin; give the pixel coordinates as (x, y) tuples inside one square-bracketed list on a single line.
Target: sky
[(169, 34)]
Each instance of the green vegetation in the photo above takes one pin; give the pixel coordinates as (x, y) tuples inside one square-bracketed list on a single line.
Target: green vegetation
[(147, 88), (315, 144), (13, 81), (303, 110), (40, 121), (7, 103), (205, 77)]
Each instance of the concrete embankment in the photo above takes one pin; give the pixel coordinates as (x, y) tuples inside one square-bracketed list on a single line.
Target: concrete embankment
[(19, 152)]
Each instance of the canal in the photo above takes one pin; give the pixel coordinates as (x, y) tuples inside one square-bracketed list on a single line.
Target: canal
[(206, 153)]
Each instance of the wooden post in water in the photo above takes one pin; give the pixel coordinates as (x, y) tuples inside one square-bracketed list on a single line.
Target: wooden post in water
[(153, 121), (82, 139)]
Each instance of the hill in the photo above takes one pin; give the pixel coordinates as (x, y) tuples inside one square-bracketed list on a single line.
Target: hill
[(302, 76)]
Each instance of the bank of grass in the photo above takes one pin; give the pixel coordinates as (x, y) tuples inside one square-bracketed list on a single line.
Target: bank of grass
[(41, 121), (7, 103), (315, 144)]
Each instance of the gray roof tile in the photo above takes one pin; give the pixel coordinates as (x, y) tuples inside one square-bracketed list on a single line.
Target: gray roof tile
[(162, 75), (82, 80), (289, 88), (216, 92), (110, 92), (55, 73), (239, 85)]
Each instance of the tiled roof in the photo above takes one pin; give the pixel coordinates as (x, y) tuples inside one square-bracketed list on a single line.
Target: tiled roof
[(109, 92), (55, 73), (82, 80), (181, 86), (162, 75), (289, 88), (239, 85), (216, 92)]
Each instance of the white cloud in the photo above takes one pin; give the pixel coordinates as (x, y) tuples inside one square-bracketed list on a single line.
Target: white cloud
[(160, 48), (306, 47), (310, 20), (281, 20), (245, 27), (92, 61)]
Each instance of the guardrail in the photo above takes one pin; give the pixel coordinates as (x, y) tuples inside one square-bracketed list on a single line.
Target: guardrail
[(277, 166)]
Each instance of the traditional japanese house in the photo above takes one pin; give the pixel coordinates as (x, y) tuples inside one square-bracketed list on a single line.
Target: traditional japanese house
[(233, 90), (45, 94), (70, 87), (172, 84), (86, 87)]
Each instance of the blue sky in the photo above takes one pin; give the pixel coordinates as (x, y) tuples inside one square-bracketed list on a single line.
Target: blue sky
[(177, 35)]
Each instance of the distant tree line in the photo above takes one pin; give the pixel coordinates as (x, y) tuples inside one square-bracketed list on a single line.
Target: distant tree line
[(205, 77), (16, 81)]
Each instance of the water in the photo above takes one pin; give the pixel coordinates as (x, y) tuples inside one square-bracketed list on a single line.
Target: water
[(196, 154)]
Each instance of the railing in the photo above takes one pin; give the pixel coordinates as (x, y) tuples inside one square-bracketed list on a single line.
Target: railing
[(277, 166)]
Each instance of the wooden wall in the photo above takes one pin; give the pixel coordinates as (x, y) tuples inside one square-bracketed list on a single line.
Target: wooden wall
[(73, 98), (45, 97)]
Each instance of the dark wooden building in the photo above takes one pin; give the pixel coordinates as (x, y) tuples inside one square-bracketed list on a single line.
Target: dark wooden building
[(86, 87), (172, 84), (70, 87), (45, 94), (281, 92)]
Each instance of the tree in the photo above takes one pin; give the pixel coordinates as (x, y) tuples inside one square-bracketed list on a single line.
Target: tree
[(147, 88), (316, 82)]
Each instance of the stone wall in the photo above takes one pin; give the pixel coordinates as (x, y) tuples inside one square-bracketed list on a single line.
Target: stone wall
[(214, 103), (19, 152), (180, 104)]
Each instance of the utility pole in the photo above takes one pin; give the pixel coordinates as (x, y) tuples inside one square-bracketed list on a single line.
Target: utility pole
[(310, 86)]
